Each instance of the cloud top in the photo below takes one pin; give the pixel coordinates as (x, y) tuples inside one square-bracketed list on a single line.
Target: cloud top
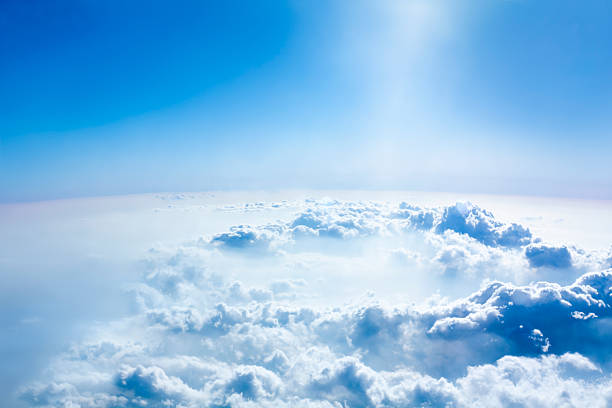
[(201, 337)]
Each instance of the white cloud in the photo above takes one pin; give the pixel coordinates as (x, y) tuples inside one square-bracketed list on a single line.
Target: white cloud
[(202, 337)]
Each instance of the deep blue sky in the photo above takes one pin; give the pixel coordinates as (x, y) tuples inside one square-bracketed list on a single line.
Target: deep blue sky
[(113, 97)]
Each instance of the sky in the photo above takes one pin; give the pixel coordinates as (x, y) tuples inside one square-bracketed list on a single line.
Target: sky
[(505, 96)]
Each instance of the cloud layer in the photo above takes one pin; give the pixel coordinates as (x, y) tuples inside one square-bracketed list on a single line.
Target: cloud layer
[(199, 337)]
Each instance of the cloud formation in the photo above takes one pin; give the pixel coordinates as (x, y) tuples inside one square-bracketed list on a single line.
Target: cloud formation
[(200, 337), (546, 256), (457, 240), (482, 226), (346, 220)]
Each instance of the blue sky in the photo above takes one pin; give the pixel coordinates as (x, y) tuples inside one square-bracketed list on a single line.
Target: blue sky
[(499, 96)]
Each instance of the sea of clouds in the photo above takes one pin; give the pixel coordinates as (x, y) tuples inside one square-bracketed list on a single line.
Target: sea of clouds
[(351, 304)]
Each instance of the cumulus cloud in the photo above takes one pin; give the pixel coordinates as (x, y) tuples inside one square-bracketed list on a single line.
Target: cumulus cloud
[(528, 320), (346, 220), (481, 225), (458, 239), (201, 337), (438, 354), (540, 255), (549, 381), (244, 237)]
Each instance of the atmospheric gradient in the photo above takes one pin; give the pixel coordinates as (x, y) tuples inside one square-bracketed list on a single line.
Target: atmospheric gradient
[(310, 204)]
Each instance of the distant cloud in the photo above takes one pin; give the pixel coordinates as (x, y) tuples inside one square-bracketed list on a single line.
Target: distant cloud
[(245, 237), (349, 220)]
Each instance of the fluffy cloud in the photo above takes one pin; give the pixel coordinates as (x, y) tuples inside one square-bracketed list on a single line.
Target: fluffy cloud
[(245, 237), (529, 320), (460, 239), (549, 381), (201, 337), (435, 354), (546, 256), (346, 220), (482, 226)]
